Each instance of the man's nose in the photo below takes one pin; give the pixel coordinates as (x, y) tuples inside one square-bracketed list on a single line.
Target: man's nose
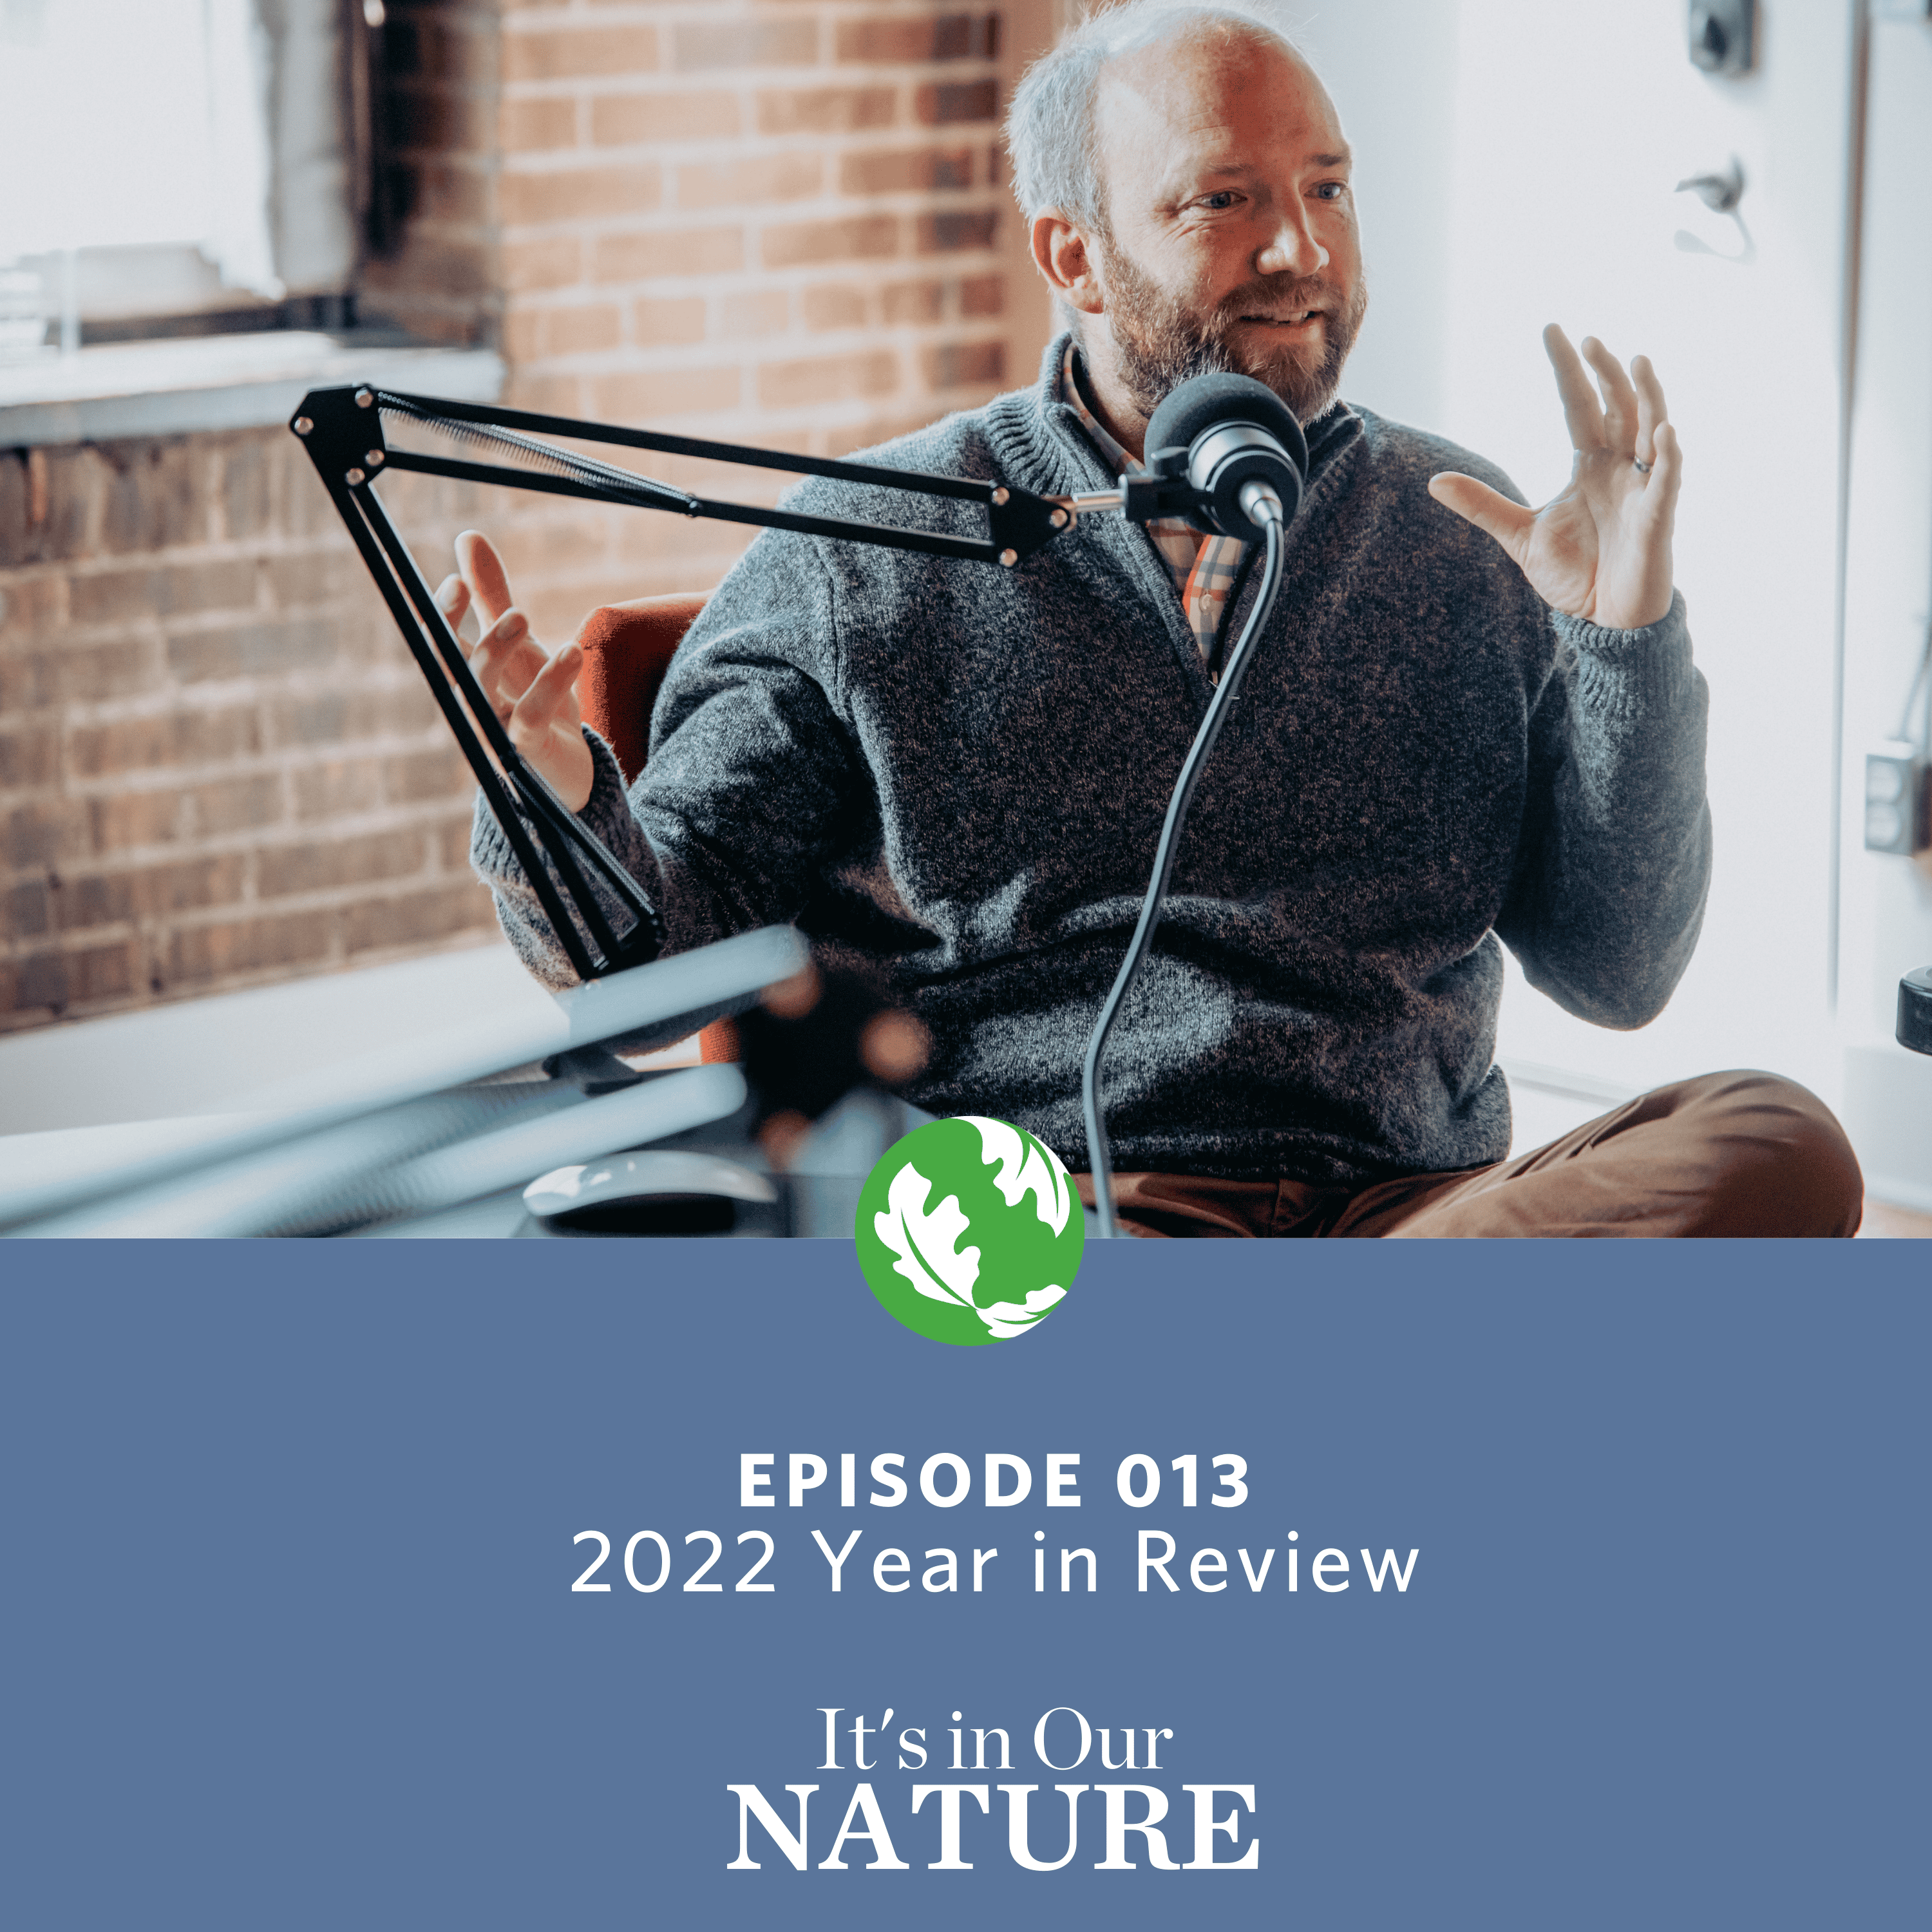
[(1292, 249)]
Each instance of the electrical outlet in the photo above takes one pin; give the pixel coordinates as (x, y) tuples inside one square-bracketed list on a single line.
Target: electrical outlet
[(1898, 801)]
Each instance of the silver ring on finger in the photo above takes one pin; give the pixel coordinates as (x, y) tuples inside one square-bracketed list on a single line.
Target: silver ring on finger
[(1643, 468)]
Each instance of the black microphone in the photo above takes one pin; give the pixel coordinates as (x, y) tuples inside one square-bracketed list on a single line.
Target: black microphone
[(1218, 448)]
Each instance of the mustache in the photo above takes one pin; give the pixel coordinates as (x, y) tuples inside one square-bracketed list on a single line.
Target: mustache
[(1277, 295)]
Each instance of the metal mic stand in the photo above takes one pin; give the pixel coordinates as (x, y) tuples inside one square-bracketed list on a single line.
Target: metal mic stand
[(345, 432)]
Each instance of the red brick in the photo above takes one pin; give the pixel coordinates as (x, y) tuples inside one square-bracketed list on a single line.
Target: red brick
[(834, 305), (677, 251), (326, 865), (45, 832), (182, 738), (236, 805), (156, 493), (56, 981), (330, 717), (252, 650), (881, 429), (859, 238), (451, 847), (876, 172), (956, 229), (247, 469), (534, 126), (338, 788), (949, 37), (49, 505), (551, 393), (439, 771), (679, 320), (522, 335), (116, 596), (128, 821), (316, 576), (641, 398), (578, 194), (546, 261), (766, 178), (828, 379), (412, 919), (24, 911), (29, 757), (626, 120), (757, 312), (982, 295), (557, 538), (826, 110), (947, 102), (29, 605), (955, 365), (743, 43), (217, 952), (914, 302), (556, 53), (582, 329), (154, 892), (125, 667)]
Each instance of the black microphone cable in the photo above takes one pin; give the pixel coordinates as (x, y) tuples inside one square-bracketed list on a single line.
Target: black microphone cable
[(1263, 507)]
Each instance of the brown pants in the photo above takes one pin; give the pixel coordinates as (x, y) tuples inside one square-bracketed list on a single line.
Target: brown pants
[(1727, 1154)]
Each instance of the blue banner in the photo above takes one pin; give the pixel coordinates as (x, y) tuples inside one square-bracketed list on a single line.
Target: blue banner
[(523, 1584)]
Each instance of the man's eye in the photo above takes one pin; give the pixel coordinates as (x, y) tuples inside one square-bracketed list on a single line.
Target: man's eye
[(1332, 190), (1222, 198)]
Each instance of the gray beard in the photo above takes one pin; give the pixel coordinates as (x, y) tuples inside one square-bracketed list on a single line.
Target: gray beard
[(1158, 344)]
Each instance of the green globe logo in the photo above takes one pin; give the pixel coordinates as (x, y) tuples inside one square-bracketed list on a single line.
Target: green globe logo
[(969, 1231)]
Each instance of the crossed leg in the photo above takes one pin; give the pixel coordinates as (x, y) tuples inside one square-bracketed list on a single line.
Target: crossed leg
[(1739, 1153)]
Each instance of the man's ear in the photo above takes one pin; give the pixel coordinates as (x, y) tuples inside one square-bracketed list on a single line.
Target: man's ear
[(1061, 254)]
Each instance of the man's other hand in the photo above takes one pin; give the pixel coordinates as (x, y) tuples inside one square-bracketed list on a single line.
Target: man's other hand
[(534, 693), (1601, 550)]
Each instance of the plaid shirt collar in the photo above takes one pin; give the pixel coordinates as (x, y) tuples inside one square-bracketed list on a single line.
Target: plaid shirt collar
[(1204, 568)]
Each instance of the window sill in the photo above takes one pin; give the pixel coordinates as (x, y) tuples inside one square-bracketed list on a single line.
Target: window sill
[(179, 387)]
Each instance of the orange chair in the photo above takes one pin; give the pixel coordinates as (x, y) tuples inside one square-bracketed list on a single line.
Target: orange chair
[(627, 650)]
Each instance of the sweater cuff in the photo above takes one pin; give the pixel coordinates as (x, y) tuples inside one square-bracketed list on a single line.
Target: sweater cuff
[(1631, 672), (605, 812)]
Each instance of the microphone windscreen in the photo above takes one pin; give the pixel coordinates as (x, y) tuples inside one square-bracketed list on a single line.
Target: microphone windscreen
[(1206, 402)]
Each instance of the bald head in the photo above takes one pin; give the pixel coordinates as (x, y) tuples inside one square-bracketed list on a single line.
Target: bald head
[(1053, 134), (1203, 106)]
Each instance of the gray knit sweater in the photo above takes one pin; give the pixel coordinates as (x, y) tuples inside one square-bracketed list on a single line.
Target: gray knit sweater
[(954, 775)]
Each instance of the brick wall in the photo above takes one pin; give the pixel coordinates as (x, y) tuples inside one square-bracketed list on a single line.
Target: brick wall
[(770, 220)]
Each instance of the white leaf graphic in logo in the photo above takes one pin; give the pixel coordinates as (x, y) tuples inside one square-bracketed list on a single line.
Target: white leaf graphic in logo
[(1026, 1166), (927, 1245), (1009, 1318)]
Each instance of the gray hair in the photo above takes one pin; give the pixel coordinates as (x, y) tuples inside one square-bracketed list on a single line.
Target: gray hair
[(1050, 136)]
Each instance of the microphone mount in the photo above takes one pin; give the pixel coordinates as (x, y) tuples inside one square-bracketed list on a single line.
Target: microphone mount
[(575, 876), (1223, 452)]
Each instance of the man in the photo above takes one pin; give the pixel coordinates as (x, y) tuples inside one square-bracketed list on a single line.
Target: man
[(1466, 723)]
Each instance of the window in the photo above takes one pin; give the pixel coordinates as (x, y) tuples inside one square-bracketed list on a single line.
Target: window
[(179, 166)]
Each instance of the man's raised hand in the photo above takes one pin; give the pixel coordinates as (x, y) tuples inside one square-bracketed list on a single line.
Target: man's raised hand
[(1600, 549), (533, 694)]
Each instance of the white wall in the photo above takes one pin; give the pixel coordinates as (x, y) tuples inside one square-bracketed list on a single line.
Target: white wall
[(1391, 65), (1518, 164), (1885, 926), (1574, 124)]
